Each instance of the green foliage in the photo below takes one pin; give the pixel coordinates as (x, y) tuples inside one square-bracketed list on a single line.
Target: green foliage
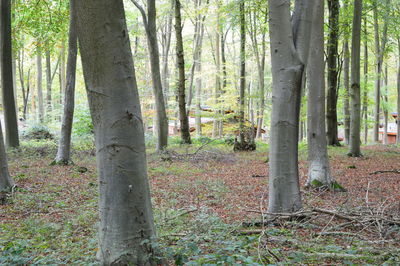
[(37, 132), (83, 124), (207, 241)]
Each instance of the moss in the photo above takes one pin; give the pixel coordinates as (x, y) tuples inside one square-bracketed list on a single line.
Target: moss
[(316, 183), (337, 187)]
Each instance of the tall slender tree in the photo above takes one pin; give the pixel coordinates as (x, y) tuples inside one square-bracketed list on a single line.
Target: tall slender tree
[(355, 98), (319, 169), (149, 21), (64, 147), (183, 117), (126, 228), (10, 114), (290, 39), (333, 72)]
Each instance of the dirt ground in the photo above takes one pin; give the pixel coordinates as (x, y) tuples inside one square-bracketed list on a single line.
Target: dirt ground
[(230, 186)]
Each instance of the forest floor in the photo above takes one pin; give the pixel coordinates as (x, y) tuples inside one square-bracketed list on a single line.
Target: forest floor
[(208, 204)]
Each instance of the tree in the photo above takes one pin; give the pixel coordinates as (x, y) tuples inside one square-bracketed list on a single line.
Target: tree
[(379, 51), (183, 118), (333, 72), (10, 114), (149, 21), (289, 52), (126, 228), (64, 147), (6, 182), (39, 83), (355, 98), (319, 169)]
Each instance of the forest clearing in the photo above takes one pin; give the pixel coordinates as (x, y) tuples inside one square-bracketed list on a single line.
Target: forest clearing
[(204, 205)]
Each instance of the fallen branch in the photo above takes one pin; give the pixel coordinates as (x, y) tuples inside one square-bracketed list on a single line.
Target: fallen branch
[(385, 171)]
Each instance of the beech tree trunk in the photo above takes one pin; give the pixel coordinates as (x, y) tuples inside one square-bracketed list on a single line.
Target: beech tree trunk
[(126, 228), (332, 50), (365, 98), (185, 134), (346, 100), (379, 51), (62, 72), (242, 71), (385, 109), (64, 147), (355, 99), (318, 169), (39, 84), (398, 93), (48, 82), (149, 22), (289, 52), (10, 114), (6, 182)]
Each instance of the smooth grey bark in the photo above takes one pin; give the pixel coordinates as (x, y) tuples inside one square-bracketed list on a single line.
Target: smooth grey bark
[(10, 114), (6, 182), (48, 82), (398, 92), (355, 98), (346, 81), (126, 221), (149, 21), (217, 89), (385, 109), (318, 162), (183, 118), (199, 84), (39, 84), (379, 51), (289, 52), (62, 71), (333, 72), (365, 96), (64, 147)]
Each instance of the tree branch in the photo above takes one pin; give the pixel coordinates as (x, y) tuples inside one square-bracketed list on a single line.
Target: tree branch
[(141, 9)]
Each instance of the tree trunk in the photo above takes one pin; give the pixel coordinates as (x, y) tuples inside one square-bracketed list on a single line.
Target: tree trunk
[(355, 101), (39, 84), (185, 134), (126, 229), (6, 182), (385, 109), (242, 71), (62, 72), (332, 50), (346, 104), (199, 87), (10, 115), (151, 32), (289, 52), (217, 89), (318, 169), (398, 93), (48, 82), (64, 147), (365, 100), (379, 51)]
